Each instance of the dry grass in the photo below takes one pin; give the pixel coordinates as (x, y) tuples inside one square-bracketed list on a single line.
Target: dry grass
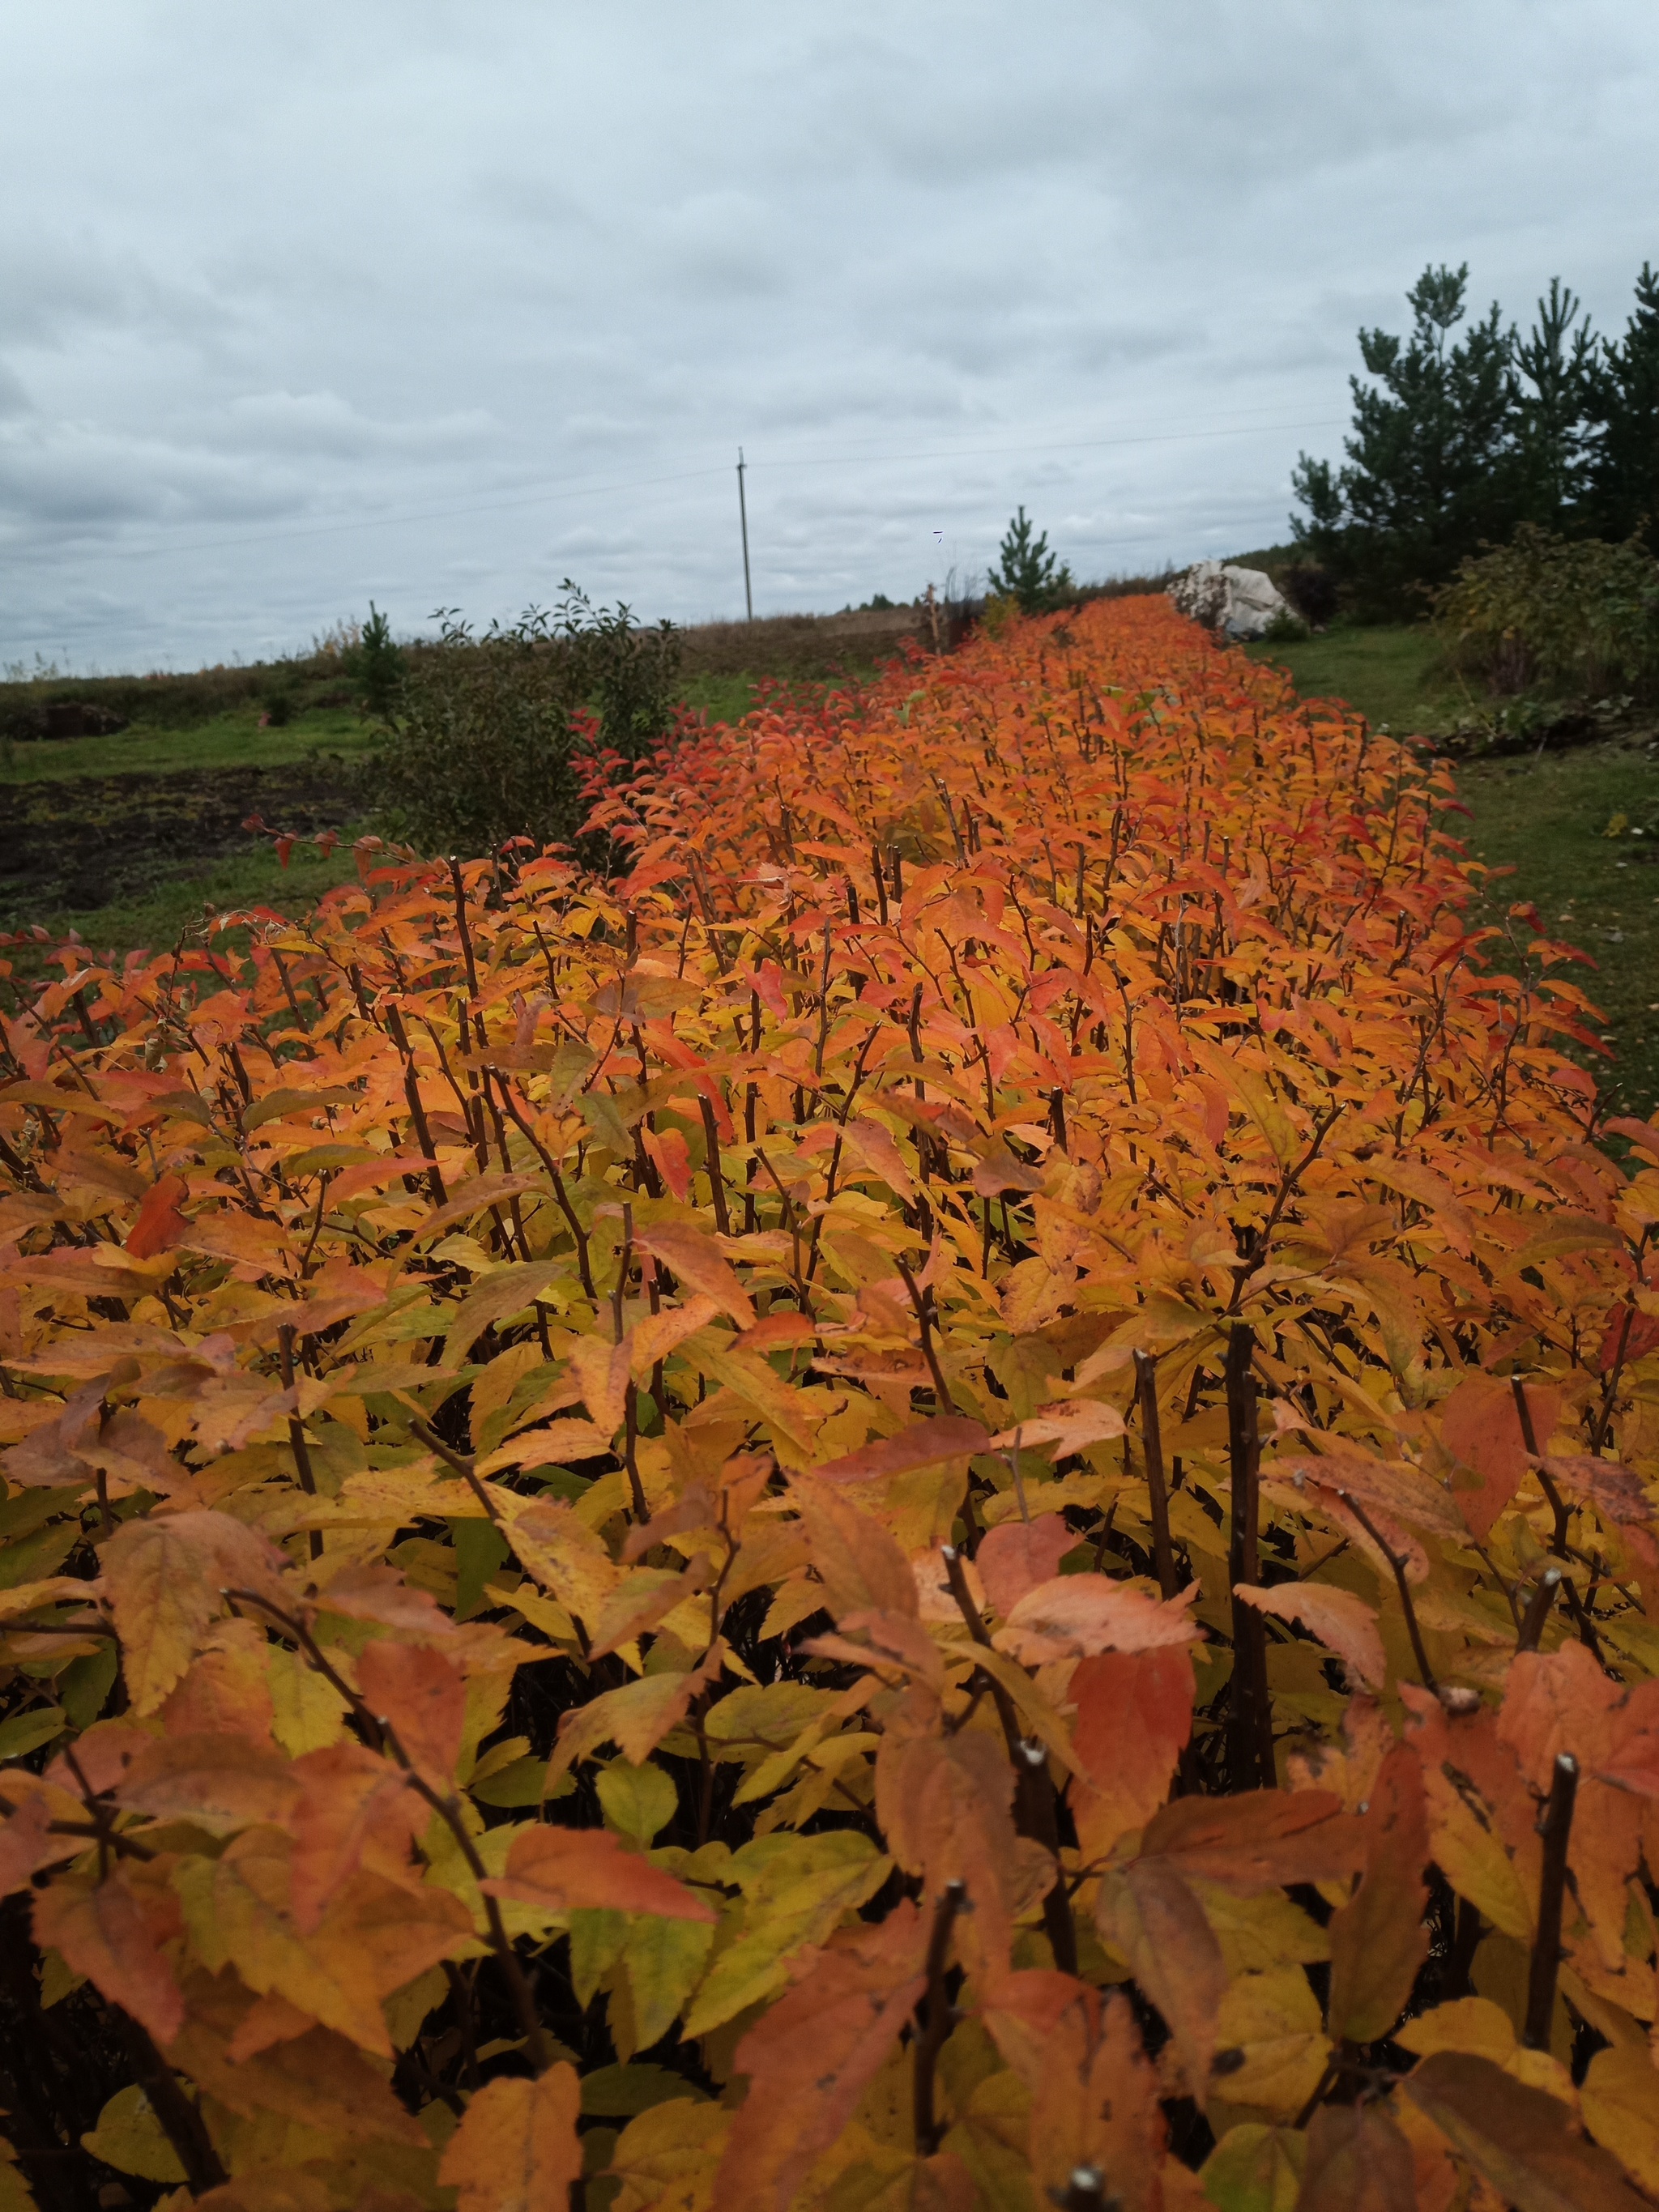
[(802, 645)]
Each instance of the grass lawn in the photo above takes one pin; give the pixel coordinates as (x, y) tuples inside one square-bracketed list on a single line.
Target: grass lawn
[(233, 741), (1394, 676), (1545, 819)]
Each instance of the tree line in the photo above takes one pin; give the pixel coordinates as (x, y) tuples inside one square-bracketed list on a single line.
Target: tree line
[(1458, 440)]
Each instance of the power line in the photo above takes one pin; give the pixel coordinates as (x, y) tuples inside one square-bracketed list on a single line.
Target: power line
[(559, 489)]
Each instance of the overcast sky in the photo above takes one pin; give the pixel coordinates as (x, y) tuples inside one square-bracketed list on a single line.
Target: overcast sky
[(306, 305)]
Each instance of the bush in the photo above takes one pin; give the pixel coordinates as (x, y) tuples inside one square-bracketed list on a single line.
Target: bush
[(904, 1513), (496, 736), (1581, 620), (1312, 590)]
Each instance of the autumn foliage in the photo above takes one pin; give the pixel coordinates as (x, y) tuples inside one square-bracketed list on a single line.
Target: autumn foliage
[(946, 1500)]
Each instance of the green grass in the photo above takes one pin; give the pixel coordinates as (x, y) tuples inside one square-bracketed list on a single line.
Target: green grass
[(1394, 676), (174, 908), (722, 698), (230, 740), (1545, 819)]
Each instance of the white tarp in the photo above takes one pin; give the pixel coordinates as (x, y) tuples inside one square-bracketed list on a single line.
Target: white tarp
[(1239, 602)]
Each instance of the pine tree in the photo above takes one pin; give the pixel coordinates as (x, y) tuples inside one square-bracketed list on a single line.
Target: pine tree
[(1433, 462), (1624, 402), (1028, 573)]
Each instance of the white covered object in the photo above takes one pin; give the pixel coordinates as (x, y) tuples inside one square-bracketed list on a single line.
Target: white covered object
[(1239, 602)]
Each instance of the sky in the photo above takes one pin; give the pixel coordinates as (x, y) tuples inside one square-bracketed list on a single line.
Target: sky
[(434, 305)]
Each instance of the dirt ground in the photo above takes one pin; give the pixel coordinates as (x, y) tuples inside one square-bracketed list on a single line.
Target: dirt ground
[(90, 841)]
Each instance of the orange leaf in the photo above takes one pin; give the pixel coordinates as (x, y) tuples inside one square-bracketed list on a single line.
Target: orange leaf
[(1148, 1913), (220, 1783), (1134, 1718), (860, 1566), (419, 1694), (1358, 2162), (517, 2148), (587, 1870), (1378, 1939), (810, 2058), (1075, 1616), (1261, 1839), (1521, 2139), (1480, 1423), (114, 1938), (1343, 1622), (924, 1444), (1015, 1556), (696, 1259)]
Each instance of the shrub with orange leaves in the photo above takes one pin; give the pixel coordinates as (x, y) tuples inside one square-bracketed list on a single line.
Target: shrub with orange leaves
[(948, 1501)]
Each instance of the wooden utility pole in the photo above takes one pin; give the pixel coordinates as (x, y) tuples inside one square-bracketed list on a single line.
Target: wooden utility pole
[(742, 519)]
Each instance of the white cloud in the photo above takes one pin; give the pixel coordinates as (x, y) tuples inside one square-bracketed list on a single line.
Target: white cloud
[(428, 302)]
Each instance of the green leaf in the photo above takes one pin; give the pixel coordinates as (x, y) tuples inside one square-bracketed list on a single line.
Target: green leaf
[(1254, 2169), (27, 1732), (639, 1802)]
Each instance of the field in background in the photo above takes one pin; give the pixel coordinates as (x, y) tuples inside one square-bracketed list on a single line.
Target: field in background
[(127, 838)]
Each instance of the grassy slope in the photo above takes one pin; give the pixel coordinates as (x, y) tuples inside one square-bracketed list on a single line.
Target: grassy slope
[(1543, 819)]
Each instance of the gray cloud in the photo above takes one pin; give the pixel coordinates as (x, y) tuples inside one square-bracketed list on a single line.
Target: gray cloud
[(434, 303)]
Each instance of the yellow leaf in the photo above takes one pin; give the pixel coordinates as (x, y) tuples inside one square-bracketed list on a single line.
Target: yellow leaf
[(1271, 2046), (665, 2160), (130, 2137), (1621, 2110)]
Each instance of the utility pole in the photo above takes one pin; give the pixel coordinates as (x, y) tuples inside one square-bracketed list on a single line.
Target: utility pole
[(742, 518)]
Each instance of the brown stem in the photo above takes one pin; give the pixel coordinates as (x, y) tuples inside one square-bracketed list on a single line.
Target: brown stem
[(934, 2022), (922, 1302), (394, 1022), (559, 1191), (296, 1430), (630, 1455), (1397, 1561), (448, 1810), (1556, 1828), (1034, 1800), (465, 933), (1086, 2192), (462, 1465), (1152, 1443), (1559, 1505), (1537, 1610), (1249, 1707), (181, 2120), (711, 1151)]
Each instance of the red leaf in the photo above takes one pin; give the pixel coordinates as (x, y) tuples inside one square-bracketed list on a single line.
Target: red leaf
[(1015, 1556), (924, 1444), (160, 1224)]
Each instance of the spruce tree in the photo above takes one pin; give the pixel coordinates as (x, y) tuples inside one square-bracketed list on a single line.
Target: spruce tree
[(1623, 493)]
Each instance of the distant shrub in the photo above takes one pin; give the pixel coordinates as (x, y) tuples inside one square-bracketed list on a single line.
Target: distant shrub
[(494, 735), (277, 706), (1312, 589), (1579, 619)]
